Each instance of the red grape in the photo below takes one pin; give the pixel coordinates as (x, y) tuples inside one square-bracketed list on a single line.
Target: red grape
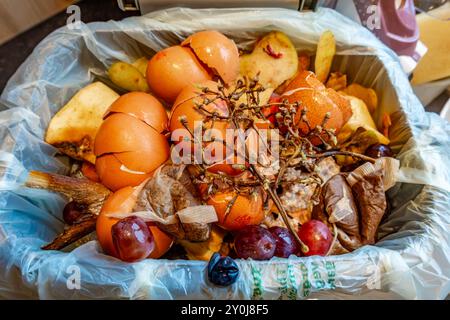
[(379, 150), (71, 213), (254, 242), (132, 239), (316, 235), (285, 242)]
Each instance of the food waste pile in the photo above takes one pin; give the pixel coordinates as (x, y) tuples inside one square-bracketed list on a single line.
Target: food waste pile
[(205, 152)]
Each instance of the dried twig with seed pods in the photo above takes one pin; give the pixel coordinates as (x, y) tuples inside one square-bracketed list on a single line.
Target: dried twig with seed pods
[(296, 147)]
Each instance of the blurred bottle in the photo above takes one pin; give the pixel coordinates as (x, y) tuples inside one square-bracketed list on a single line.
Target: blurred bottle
[(146, 6), (392, 21)]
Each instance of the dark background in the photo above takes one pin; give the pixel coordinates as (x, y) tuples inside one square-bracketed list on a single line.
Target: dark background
[(16, 50)]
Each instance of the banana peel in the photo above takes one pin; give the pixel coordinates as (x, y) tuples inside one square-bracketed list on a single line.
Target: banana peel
[(73, 128)]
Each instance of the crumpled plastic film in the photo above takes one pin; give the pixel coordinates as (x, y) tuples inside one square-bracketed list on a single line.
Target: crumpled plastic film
[(411, 260), (427, 144)]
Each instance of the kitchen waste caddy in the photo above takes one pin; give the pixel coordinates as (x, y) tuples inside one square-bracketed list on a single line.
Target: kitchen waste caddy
[(411, 259)]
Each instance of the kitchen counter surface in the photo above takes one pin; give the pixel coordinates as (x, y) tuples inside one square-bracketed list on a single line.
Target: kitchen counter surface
[(16, 50)]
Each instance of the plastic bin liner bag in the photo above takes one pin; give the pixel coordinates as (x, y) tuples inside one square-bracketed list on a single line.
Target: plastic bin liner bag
[(411, 259)]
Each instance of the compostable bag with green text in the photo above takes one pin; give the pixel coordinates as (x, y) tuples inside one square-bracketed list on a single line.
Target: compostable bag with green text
[(411, 260)]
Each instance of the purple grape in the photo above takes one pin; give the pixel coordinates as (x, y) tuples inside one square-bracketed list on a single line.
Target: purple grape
[(132, 239), (71, 213), (379, 150), (285, 242), (254, 242)]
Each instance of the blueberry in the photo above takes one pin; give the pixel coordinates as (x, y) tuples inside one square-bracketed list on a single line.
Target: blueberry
[(222, 271), (212, 262)]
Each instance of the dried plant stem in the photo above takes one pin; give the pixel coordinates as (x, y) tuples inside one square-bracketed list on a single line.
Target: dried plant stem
[(280, 208), (213, 114), (84, 192), (341, 153), (230, 205), (242, 113), (72, 234)]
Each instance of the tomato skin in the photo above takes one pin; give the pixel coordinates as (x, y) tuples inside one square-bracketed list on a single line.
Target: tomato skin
[(163, 241), (172, 69), (214, 136), (246, 210), (319, 102), (88, 170), (216, 51), (186, 106), (120, 201), (142, 106), (111, 175), (234, 169), (128, 150), (228, 169), (270, 112)]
